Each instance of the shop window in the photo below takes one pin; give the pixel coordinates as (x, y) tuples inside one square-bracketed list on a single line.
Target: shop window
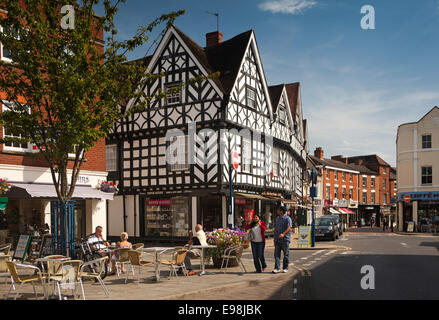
[(426, 141), (167, 217), (111, 157), (427, 175)]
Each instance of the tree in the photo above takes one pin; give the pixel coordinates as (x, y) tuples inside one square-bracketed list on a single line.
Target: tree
[(64, 91)]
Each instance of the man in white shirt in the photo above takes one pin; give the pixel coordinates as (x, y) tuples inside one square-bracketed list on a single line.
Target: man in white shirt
[(199, 238), (97, 242)]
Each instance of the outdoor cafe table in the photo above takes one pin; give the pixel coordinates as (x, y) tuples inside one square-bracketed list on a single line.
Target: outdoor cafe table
[(47, 259), (203, 272), (157, 252)]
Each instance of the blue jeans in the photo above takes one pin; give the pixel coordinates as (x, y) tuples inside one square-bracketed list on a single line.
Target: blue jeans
[(258, 255), (279, 246)]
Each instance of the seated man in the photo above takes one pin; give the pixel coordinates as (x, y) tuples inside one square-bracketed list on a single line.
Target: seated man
[(199, 238), (97, 242)]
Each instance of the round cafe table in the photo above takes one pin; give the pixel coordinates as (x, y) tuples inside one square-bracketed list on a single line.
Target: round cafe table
[(45, 272)]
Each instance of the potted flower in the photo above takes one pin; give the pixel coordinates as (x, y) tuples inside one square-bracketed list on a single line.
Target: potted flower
[(107, 186), (223, 239)]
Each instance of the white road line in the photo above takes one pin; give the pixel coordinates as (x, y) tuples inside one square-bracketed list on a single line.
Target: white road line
[(306, 258), (318, 259), (404, 244)]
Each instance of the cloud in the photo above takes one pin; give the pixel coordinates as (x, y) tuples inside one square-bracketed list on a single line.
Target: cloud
[(287, 6)]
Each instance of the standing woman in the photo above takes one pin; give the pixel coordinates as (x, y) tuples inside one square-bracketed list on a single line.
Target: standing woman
[(258, 227)]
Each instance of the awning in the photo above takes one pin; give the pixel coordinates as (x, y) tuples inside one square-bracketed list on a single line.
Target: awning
[(3, 203), (347, 211), (250, 196), (334, 211), (40, 190)]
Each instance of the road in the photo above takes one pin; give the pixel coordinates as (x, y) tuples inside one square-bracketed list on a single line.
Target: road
[(405, 267)]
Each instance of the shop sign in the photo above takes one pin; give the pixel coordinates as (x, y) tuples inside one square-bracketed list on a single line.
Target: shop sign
[(159, 202), (304, 236), (353, 204), (83, 179), (249, 214), (343, 203), (415, 196), (240, 201), (335, 202), (411, 226)]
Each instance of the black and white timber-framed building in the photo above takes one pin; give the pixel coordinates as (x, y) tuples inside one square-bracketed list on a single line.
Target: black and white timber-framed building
[(158, 200)]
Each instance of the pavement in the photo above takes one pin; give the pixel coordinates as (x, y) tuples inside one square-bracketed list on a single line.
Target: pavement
[(405, 268)]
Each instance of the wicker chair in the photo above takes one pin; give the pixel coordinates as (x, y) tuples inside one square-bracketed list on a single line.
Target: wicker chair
[(176, 262), (232, 253), (38, 277), (138, 246), (93, 270), (68, 279), (135, 260)]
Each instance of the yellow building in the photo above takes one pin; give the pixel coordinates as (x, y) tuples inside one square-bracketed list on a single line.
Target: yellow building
[(417, 147)]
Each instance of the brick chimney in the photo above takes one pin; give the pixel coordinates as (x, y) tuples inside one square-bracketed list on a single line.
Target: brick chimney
[(340, 158), (318, 153), (213, 38)]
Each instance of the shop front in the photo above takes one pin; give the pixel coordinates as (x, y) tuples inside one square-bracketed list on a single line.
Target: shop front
[(29, 211), (166, 217), (421, 208), (367, 214)]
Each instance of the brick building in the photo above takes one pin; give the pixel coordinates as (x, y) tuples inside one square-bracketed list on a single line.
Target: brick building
[(29, 199), (339, 186)]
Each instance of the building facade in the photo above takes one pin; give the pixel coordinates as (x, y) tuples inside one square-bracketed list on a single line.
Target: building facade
[(208, 126), (339, 187), (32, 191), (417, 146)]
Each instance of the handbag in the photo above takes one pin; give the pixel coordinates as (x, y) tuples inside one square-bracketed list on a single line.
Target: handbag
[(249, 236)]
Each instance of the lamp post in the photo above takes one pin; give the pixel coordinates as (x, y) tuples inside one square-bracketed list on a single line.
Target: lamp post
[(313, 195)]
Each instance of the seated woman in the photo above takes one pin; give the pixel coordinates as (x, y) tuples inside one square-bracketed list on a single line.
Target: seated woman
[(115, 254)]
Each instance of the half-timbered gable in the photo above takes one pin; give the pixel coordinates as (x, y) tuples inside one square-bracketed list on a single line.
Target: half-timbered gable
[(235, 112)]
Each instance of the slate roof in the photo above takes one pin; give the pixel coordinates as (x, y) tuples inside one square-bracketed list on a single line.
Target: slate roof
[(332, 163)]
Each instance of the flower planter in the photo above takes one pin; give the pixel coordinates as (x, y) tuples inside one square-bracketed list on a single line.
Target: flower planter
[(218, 261)]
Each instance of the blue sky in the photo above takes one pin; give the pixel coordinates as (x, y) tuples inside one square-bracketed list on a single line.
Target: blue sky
[(357, 85)]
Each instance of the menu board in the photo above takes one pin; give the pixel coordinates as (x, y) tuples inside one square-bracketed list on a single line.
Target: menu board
[(46, 248), (22, 247)]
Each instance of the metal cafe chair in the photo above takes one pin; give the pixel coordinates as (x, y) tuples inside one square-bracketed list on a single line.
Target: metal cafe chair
[(38, 277), (232, 253)]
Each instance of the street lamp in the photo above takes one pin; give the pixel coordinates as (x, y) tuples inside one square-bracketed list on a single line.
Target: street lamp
[(313, 193)]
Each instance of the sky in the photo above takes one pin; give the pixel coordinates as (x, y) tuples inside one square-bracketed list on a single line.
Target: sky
[(358, 85)]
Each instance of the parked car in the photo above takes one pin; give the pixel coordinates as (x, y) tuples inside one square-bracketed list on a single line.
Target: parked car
[(326, 228), (339, 223)]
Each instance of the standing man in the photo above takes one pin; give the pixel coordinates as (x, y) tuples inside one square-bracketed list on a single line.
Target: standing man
[(282, 238)]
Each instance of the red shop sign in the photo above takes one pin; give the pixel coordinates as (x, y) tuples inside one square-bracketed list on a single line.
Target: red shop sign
[(240, 201), (249, 214), (159, 202)]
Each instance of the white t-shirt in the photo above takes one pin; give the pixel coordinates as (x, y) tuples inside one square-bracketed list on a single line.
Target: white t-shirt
[(257, 233), (94, 241)]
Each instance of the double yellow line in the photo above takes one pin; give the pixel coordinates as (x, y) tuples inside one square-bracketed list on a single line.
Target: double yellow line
[(303, 271)]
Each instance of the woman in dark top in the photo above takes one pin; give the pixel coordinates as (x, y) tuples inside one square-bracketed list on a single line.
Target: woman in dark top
[(258, 227)]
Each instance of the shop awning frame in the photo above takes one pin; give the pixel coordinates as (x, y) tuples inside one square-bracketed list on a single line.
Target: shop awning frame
[(43, 190), (250, 196)]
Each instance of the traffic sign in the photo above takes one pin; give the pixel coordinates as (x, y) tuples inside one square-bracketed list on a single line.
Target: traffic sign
[(407, 198), (235, 160)]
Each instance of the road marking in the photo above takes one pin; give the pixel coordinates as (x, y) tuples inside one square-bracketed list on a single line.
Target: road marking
[(306, 258), (404, 244)]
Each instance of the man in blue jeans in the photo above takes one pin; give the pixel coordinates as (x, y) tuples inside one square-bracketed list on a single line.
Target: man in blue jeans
[(282, 238)]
